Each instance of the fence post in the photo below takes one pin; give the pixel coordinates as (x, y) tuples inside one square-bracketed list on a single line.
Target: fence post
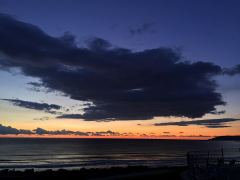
[(222, 155)]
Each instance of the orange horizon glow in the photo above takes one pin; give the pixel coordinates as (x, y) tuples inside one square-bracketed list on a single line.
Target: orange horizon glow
[(110, 137)]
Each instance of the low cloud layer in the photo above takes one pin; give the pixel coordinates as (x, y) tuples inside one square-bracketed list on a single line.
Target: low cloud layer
[(121, 84), (209, 123), (40, 131), (49, 108), (8, 130)]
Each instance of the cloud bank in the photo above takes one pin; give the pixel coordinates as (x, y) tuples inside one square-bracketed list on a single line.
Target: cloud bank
[(8, 130), (209, 123), (120, 83)]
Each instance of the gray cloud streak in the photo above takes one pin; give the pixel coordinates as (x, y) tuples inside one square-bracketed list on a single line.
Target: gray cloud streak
[(209, 123), (49, 108)]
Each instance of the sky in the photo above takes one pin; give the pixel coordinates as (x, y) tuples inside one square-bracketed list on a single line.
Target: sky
[(142, 69)]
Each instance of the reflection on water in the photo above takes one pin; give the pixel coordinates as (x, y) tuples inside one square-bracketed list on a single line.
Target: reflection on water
[(76, 153)]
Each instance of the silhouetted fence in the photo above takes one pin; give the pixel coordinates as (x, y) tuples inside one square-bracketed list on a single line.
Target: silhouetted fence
[(216, 164)]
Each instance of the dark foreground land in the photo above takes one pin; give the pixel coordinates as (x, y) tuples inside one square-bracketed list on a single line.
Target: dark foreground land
[(114, 173)]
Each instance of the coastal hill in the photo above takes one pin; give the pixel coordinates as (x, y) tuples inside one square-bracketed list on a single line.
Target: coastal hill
[(226, 138)]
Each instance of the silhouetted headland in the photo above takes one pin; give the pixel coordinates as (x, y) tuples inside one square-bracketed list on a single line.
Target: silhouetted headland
[(226, 138)]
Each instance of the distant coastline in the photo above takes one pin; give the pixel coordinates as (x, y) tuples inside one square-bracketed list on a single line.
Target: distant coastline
[(226, 138)]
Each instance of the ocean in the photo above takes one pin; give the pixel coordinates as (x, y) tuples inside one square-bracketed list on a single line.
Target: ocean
[(23, 153)]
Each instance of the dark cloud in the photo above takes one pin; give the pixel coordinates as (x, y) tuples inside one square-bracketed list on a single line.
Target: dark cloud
[(49, 108), (197, 136), (37, 87), (232, 71), (210, 123), (144, 28), (217, 112), (70, 116), (42, 119), (9, 130), (167, 135), (121, 84), (106, 133), (217, 126), (98, 44), (35, 84), (40, 131)]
